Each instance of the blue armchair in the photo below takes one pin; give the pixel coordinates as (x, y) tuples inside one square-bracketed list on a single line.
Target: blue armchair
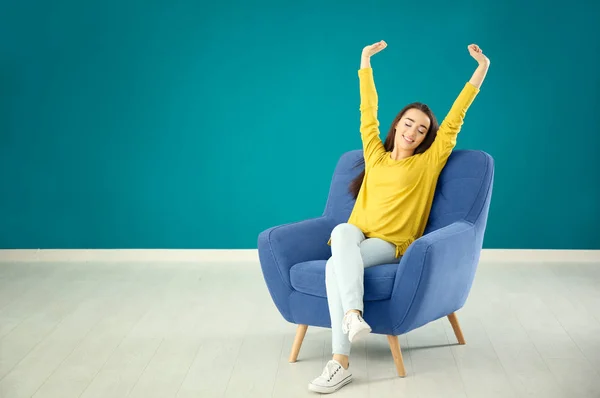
[(432, 280)]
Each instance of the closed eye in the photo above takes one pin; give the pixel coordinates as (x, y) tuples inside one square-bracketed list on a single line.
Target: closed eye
[(408, 125)]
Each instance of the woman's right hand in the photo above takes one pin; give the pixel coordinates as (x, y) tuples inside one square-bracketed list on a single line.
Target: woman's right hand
[(373, 49)]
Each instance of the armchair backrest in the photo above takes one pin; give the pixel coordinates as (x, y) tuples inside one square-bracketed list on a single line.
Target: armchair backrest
[(463, 190)]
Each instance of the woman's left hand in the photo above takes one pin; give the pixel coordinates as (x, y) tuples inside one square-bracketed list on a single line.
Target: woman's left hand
[(478, 55)]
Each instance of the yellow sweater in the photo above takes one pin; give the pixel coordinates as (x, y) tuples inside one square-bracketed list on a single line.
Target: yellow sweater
[(395, 199)]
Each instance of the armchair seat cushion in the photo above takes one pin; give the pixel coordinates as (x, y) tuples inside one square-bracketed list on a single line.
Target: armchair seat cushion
[(309, 278)]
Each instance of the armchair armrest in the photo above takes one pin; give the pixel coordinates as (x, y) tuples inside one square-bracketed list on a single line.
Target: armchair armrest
[(280, 247), (434, 276)]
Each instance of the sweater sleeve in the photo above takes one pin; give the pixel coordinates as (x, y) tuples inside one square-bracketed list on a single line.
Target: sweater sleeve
[(445, 140), (369, 124)]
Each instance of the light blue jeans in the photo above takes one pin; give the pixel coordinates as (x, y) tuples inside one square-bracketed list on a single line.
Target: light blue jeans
[(351, 253)]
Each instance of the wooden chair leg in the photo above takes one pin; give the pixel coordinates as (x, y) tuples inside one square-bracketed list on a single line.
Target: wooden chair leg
[(397, 355), (457, 331), (300, 333)]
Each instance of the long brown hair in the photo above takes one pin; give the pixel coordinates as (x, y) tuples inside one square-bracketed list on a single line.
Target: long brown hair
[(391, 136)]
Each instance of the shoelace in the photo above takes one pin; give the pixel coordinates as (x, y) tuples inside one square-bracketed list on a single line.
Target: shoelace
[(330, 370), (346, 325), (348, 320)]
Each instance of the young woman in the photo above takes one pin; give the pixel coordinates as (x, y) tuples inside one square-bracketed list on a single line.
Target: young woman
[(393, 195)]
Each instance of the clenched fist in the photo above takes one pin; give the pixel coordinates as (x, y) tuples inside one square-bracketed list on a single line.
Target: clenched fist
[(477, 54)]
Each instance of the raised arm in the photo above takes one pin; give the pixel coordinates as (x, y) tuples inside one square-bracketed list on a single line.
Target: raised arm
[(369, 124), (445, 140), (484, 64)]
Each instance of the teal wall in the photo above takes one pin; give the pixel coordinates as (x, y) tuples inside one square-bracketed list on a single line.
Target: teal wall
[(145, 124)]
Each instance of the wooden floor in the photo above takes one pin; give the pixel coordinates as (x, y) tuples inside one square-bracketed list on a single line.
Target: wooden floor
[(186, 330)]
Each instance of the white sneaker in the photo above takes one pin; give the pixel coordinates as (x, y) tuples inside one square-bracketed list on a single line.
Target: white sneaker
[(333, 378), (355, 326)]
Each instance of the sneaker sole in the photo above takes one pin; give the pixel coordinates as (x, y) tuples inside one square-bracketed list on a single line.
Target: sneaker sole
[(328, 390)]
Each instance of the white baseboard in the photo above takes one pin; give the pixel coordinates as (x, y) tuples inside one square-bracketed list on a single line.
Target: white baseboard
[(539, 256), (129, 255), (251, 255)]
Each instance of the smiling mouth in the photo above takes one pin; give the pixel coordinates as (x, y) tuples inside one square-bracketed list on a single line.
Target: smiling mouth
[(408, 140)]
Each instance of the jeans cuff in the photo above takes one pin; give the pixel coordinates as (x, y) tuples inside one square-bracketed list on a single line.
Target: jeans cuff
[(354, 305)]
